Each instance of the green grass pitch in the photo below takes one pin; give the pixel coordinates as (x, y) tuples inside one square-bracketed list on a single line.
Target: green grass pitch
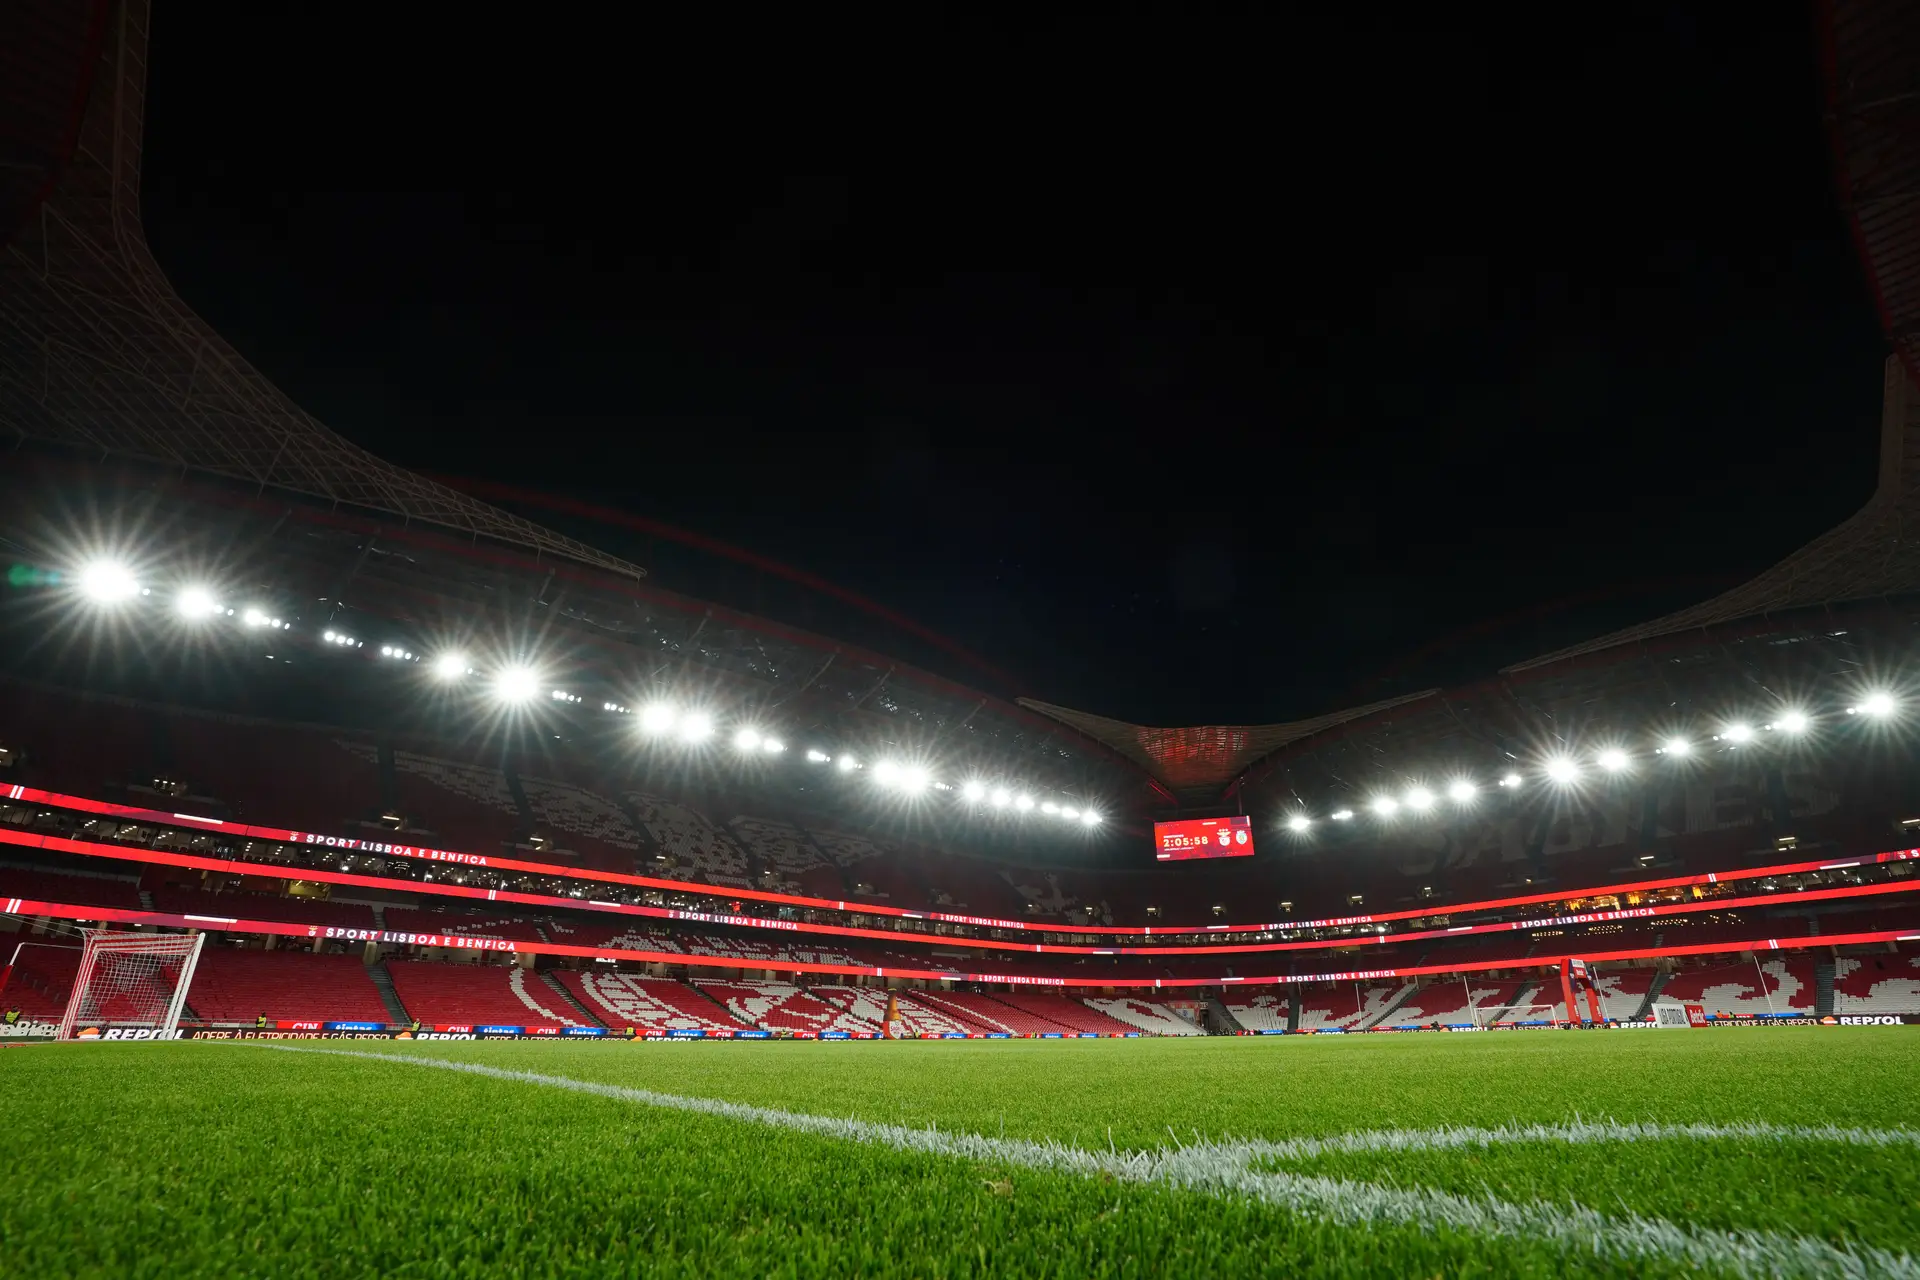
[(241, 1159)]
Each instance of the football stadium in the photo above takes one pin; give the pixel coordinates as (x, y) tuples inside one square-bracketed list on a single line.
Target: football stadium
[(391, 882)]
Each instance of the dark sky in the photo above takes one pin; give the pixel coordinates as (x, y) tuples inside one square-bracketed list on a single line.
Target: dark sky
[(1188, 368)]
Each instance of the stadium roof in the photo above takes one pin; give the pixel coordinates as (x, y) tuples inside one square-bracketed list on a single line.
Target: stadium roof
[(98, 353), (1867, 556), (1197, 763), (1870, 59), (96, 349), (1870, 56)]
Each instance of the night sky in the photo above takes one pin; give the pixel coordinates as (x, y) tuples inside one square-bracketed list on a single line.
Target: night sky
[(1182, 368)]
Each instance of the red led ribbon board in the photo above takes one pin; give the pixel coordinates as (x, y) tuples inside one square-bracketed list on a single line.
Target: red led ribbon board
[(1202, 838)]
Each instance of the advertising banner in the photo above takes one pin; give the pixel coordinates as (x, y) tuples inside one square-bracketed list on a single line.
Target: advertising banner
[(27, 1029), (1871, 1020)]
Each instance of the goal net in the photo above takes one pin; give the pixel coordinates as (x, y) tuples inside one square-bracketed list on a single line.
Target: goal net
[(131, 980)]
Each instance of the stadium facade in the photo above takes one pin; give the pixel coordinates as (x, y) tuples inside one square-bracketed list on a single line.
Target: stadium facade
[(411, 760)]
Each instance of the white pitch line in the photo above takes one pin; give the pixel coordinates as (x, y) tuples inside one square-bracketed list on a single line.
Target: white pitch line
[(1226, 1168), (1579, 1132)]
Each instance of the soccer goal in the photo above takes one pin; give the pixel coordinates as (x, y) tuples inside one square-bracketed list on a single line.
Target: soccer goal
[(131, 980)]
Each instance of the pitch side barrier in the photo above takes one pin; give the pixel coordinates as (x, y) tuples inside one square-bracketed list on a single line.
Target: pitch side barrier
[(387, 1031), (229, 924), (284, 835), (267, 870)]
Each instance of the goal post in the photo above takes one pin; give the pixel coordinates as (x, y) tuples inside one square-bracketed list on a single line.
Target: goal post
[(131, 980)]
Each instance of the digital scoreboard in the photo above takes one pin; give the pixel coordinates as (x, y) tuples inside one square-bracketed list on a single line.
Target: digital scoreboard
[(1202, 838)]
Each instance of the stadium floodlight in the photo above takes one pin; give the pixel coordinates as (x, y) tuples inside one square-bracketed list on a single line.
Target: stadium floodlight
[(196, 603), (886, 773), (772, 746), (254, 618), (1677, 747), (1088, 818), (696, 727), (1791, 722), (1048, 806), (1341, 815), (912, 781), (1023, 803), (1878, 704), (1738, 731), (747, 740), (658, 717), (1460, 791), (1002, 797), (1613, 760), (816, 756), (1563, 770), (1386, 806), (1299, 822), (1510, 781), (1070, 813), (846, 763), (973, 790), (1419, 799), (451, 666), (108, 582), (516, 684)]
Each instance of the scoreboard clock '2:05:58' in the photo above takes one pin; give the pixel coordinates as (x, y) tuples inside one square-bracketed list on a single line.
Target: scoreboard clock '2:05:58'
[(1202, 838)]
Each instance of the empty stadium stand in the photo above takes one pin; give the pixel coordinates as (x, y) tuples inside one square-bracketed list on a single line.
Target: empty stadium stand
[(1736, 988), (1257, 1012), (1448, 1001), (469, 994), (646, 1004), (468, 924), (1877, 984), (247, 904), (47, 886), (781, 1006), (984, 1013), (1143, 1015), (1066, 1013), (41, 978), (1345, 1006), (232, 985)]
